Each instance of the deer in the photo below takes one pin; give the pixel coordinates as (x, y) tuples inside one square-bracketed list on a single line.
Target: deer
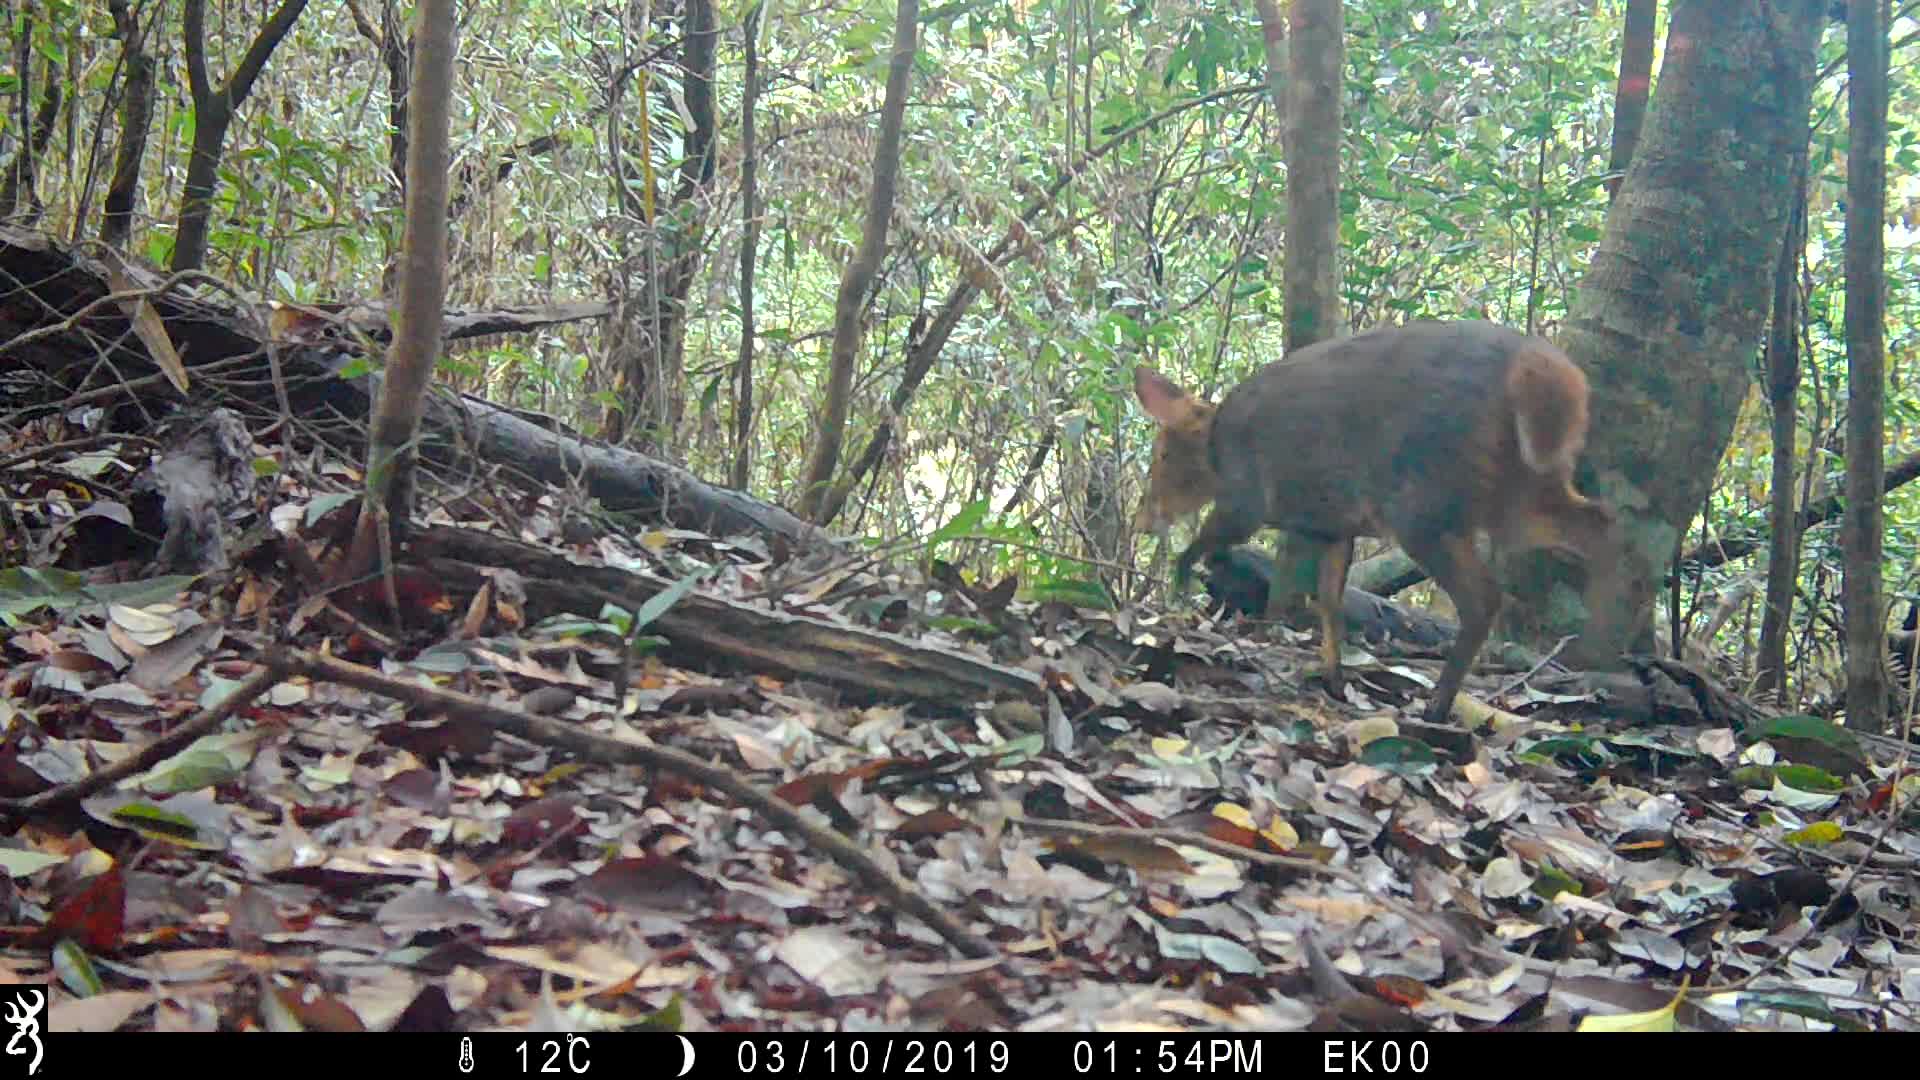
[(1429, 433)]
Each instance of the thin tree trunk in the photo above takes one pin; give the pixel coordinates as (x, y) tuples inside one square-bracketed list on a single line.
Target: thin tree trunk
[(1635, 85), (1273, 42), (213, 110), (136, 120), (16, 195), (816, 480), (393, 47), (1316, 59), (22, 23), (749, 252), (1783, 393), (1307, 101), (391, 450), (394, 57), (689, 221), (648, 333), (1861, 526)]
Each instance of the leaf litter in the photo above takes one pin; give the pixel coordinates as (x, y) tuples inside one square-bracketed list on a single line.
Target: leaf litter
[(1177, 830)]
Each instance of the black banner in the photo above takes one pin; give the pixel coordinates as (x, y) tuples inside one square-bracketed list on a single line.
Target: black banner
[(655, 1056)]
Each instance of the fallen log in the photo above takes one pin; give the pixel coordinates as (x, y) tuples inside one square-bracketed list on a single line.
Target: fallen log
[(707, 630), (59, 317)]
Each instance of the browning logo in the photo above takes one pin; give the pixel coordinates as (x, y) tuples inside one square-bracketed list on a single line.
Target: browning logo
[(23, 1006)]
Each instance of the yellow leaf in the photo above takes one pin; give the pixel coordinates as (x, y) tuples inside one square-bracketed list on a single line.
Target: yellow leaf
[(1660, 1019), (1820, 832), (1235, 814), (1283, 835), (1278, 831), (1169, 747)]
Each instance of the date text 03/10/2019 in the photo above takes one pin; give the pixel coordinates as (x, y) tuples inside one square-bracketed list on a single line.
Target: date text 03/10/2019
[(882, 1056)]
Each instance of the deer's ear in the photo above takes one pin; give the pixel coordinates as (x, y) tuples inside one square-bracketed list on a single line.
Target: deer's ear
[(1158, 395)]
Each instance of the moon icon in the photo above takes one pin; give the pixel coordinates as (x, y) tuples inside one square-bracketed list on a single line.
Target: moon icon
[(686, 1047)]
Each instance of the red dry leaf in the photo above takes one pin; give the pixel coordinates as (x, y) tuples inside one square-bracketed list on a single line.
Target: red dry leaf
[(93, 916)]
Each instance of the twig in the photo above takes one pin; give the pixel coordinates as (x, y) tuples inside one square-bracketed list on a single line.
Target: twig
[(157, 750), (1535, 669), (88, 443), (852, 564), (890, 886)]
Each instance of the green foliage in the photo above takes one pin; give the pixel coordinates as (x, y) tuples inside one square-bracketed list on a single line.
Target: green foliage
[(1477, 138)]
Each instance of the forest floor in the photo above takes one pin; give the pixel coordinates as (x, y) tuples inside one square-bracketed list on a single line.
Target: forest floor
[(240, 800)]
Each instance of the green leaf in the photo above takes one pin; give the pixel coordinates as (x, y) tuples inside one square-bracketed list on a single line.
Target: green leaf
[(1400, 754), (863, 35), (1809, 778), (76, 970), (1817, 834), (327, 503), (964, 523), (667, 1018), (150, 820), (1807, 727), (190, 769), (1572, 750), (144, 591), (1552, 881), (1076, 591), (661, 602), (1800, 1003), (26, 589)]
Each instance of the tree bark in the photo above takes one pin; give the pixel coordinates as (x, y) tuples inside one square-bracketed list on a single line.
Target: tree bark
[(391, 453), (1311, 143), (1783, 393), (1677, 295), (1861, 537), (213, 110), (136, 120), (749, 252), (389, 39), (817, 478), (1635, 85), (16, 194), (649, 337), (1308, 101)]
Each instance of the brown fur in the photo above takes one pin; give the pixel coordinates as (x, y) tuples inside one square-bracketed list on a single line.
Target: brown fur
[(1549, 398), (1428, 433)]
